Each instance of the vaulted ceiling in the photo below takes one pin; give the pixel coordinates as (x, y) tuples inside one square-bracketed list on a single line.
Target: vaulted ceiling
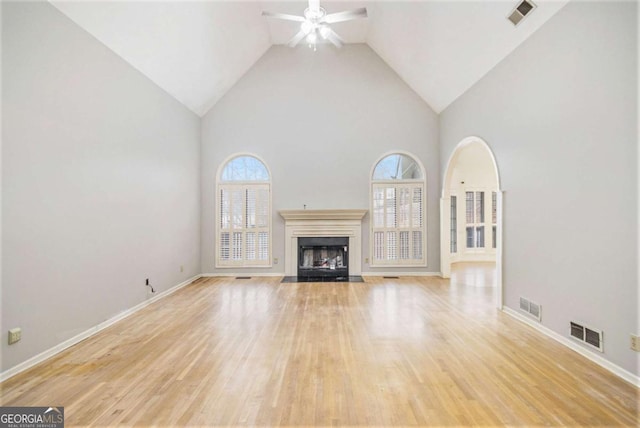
[(196, 51)]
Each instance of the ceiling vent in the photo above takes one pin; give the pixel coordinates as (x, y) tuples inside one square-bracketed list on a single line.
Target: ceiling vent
[(587, 335), (523, 9)]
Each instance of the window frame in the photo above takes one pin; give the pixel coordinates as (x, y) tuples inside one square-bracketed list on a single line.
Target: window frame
[(242, 185), (397, 184)]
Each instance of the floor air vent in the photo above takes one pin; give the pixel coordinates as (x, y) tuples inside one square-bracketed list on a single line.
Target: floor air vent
[(587, 335), (523, 9), (391, 277), (531, 308), (243, 277)]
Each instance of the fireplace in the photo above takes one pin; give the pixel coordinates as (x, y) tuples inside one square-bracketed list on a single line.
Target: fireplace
[(332, 224), (323, 257)]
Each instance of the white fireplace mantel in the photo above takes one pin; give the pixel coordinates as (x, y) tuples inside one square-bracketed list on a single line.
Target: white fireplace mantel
[(327, 223)]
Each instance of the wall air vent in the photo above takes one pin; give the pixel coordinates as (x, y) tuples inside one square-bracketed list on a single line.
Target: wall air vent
[(531, 308), (534, 309), (524, 304), (587, 335), (524, 8)]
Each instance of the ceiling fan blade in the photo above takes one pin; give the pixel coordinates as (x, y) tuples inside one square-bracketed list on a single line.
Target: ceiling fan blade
[(335, 39), (346, 15), (296, 39), (283, 16)]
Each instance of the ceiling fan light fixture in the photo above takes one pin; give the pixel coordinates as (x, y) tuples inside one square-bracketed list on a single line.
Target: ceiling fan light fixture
[(312, 38), (315, 24), (324, 31)]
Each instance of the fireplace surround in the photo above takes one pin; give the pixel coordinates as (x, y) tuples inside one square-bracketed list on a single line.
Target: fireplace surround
[(345, 223)]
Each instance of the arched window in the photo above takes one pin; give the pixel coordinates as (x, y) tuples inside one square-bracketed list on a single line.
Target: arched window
[(398, 226), (243, 213)]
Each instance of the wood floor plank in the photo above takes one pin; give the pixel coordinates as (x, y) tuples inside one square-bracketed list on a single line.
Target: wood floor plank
[(388, 352)]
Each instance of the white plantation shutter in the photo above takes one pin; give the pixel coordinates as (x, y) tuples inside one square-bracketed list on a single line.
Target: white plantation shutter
[(263, 246), (391, 246), (479, 207), (236, 208), (244, 225), (453, 230), (397, 224), (475, 213), (224, 246), (418, 244), (251, 246), (244, 210), (469, 207), (417, 204), (378, 246), (236, 246), (378, 207), (404, 245), (390, 207), (494, 218)]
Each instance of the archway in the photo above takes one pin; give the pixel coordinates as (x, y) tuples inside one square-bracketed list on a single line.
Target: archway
[(471, 209)]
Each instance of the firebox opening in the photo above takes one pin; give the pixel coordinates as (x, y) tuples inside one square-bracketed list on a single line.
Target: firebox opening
[(323, 257)]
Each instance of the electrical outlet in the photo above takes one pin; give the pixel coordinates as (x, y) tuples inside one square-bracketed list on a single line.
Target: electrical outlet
[(15, 334), (181, 268), (366, 260), (635, 343), (275, 260)]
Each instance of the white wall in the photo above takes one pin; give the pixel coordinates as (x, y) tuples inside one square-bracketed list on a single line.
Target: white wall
[(320, 120), (100, 176), (637, 329), (1, 175), (560, 114)]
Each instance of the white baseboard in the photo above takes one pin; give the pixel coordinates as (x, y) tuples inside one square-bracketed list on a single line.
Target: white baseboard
[(401, 274), (231, 274), (602, 362), (275, 274), (90, 332)]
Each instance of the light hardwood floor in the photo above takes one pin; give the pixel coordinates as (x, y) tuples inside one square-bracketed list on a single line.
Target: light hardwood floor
[(388, 352)]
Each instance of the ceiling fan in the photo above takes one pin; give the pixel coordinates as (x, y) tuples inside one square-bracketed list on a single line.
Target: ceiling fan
[(315, 23)]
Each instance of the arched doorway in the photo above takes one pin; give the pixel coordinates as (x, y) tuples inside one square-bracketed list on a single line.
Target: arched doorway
[(471, 209)]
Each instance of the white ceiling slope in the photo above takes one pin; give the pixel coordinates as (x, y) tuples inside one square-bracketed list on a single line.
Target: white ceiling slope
[(442, 48), (197, 50)]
